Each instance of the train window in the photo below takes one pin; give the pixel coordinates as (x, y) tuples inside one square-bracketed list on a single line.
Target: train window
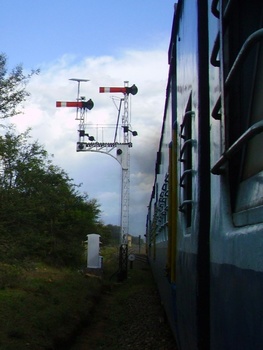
[(243, 106), (253, 163), (186, 164), (250, 190)]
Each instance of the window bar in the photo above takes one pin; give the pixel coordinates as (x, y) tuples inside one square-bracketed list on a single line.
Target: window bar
[(186, 173), (185, 204), (186, 144), (254, 130)]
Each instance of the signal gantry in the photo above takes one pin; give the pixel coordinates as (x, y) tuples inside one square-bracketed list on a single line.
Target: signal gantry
[(122, 144)]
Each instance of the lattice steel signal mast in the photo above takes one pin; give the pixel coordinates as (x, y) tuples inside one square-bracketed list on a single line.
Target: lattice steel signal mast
[(122, 154)]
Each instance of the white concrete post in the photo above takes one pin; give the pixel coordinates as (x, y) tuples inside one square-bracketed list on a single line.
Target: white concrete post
[(93, 251)]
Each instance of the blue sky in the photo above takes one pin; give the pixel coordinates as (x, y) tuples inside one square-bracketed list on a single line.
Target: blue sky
[(108, 43), (36, 31)]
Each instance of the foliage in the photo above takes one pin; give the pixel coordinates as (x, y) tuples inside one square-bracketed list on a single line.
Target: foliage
[(114, 234), (12, 88), (42, 214)]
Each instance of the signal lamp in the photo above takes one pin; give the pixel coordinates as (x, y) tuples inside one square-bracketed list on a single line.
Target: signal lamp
[(88, 104), (126, 129), (132, 90)]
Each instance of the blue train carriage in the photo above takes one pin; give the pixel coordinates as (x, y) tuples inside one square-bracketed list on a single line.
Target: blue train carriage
[(236, 238), (190, 42), (179, 239), (205, 220), (157, 220)]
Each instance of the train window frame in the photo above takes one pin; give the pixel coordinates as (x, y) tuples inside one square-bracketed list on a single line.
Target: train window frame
[(186, 161), (249, 207), (242, 52)]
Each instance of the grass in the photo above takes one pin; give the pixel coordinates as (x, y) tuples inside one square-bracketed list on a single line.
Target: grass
[(110, 320), (42, 307)]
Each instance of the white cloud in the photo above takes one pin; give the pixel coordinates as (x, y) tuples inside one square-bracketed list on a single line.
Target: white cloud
[(56, 128)]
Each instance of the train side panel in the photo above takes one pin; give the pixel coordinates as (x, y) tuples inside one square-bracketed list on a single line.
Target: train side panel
[(205, 219), (178, 237), (186, 116), (157, 221), (192, 277), (237, 202)]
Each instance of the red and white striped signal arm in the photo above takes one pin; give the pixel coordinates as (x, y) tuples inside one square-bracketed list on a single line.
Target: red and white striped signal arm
[(125, 90), (77, 104)]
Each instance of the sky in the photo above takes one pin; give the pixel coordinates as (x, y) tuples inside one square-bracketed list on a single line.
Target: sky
[(106, 42)]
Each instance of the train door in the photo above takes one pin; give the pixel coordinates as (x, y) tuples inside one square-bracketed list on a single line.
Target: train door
[(237, 168), (192, 265)]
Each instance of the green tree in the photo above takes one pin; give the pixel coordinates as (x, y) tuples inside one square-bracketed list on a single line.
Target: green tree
[(41, 210), (42, 214), (104, 232), (12, 88), (115, 233)]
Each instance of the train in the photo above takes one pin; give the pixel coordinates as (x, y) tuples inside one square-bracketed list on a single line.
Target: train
[(204, 226)]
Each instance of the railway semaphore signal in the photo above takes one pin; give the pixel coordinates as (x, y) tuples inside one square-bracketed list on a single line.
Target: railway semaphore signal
[(88, 143), (81, 106), (77, 104), (125, 90)]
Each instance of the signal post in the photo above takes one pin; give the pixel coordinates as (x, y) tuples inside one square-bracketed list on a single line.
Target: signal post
[(88, 143)]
